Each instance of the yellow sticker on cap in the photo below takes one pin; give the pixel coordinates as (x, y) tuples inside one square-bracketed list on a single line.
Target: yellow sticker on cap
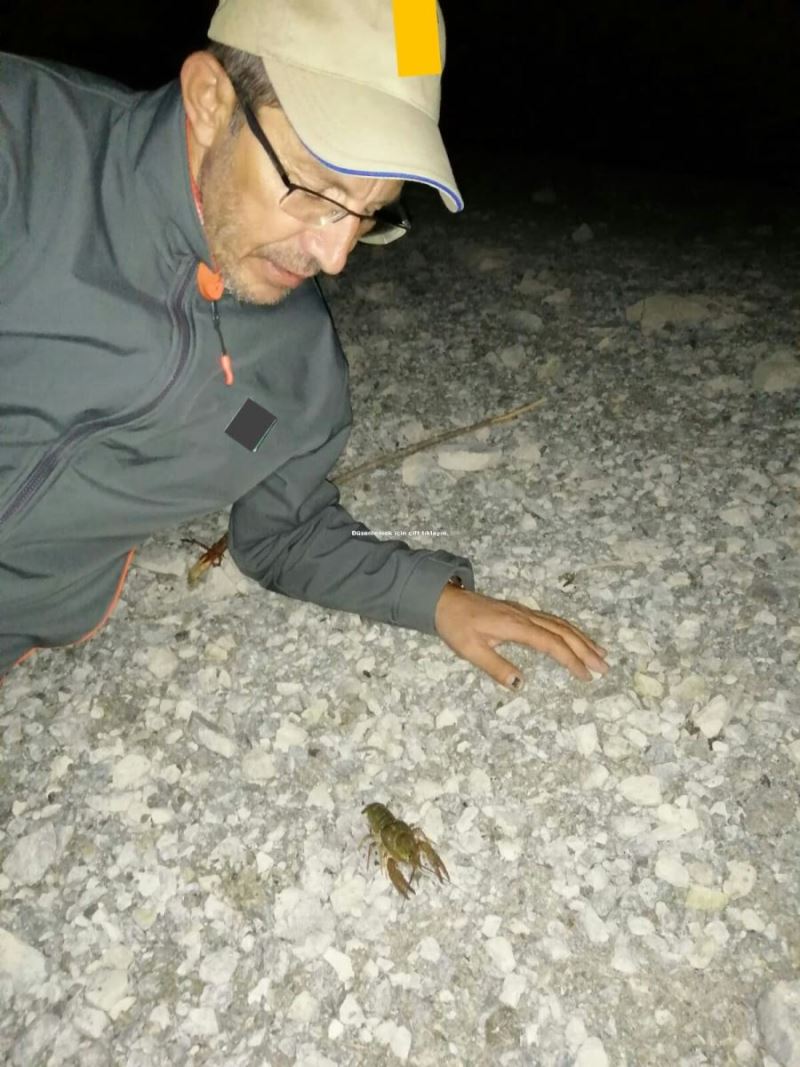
[(416, 32)]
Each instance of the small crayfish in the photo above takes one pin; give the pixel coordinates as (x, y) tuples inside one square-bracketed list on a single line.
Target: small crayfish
[(396, 842)]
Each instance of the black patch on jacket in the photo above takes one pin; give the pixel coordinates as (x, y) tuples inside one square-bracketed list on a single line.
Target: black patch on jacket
[(250, 425)]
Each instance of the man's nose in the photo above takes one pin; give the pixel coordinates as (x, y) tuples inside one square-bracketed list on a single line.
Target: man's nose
[(331, 245)]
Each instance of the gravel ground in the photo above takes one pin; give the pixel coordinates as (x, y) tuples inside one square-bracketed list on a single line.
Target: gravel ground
[(183, 880)]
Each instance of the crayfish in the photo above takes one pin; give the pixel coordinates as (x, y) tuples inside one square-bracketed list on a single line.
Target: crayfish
[(396, 842)]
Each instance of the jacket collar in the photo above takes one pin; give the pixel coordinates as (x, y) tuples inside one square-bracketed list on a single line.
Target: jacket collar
[(159, 162)]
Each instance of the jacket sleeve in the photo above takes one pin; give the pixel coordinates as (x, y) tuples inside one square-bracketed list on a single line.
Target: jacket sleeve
[(292, 535)]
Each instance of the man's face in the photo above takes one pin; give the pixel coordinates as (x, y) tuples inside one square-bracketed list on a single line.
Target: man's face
[(262, 252)]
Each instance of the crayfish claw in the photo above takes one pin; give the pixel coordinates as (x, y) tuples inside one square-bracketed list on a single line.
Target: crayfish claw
[(398, 879), (436, 862)]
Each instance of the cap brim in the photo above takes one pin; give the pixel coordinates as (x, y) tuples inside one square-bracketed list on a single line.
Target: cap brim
[(357, 129)]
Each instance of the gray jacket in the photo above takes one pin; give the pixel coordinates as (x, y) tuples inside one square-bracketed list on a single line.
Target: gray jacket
[(113, 407)]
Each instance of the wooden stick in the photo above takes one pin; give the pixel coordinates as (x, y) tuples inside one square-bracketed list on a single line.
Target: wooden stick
[(213, 555)]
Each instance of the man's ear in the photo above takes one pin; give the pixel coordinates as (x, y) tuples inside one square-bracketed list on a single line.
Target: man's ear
[(208, 97)]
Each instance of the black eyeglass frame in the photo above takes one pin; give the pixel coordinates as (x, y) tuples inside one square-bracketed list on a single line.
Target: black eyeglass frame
[(385, 220)]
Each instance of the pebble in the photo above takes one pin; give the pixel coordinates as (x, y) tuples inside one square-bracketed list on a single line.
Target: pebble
[(130, 771), (32, 855), (592, 1053), (341, 963), (216, 742), (586, 740), (397, 1038), (480, 784), (304, 1008), (350, 1013), (429, 949), (670, 869), (24, 965), (290, 735), (258, 766), (596, 929), (778, 374), (462, 460), (711, 719), (741, 879), (161, 662), (643, 789), (218, 968), (501, 954), (583, 234), (105, 988), (778, 1016), (201, 1022), (514, 986), (703, 898)]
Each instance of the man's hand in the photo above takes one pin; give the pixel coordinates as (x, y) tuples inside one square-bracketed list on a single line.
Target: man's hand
[(473, 625)]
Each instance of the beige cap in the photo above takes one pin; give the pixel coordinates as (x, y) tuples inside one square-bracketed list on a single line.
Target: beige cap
[(333, 64)]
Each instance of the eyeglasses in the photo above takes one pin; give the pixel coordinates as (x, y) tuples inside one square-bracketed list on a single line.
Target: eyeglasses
[(314, 209)]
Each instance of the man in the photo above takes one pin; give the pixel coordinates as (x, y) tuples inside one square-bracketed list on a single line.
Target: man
[(164, 349)]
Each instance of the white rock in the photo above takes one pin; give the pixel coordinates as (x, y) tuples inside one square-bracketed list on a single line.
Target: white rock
[(514, 355), (304, 1008), (751, 920), (586, 740), (320, 797), (161, 662), (91, 1022), (290, 734), (130, 771), (596, 929), (216, 742), (258, 766), (640, 926), (400, 1045), (741, 879), (654, 312), (429, 949), (414, 469), (523, 320), (491, 925), (712, 719), (591, 1054), (777, 374), (596, 778), (623, 959), (793, 748), (341, 963), (462, 460), (350, 1013), (778, 1015), (575, 1033), (397, 1038), (513, 987), (201, 1022), (23, 964), (583, 234), (643, 789), (647, 686), (218, 967), (480, 784), (501, 954), (32, 855), (670, 869), (105, 988), (704, 898)]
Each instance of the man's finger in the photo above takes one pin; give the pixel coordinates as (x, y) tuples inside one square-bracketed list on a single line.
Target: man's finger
[(566, 648), (503, 672)]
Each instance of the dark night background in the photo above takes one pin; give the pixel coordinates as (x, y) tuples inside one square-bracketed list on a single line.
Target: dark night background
[(702, 86)]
